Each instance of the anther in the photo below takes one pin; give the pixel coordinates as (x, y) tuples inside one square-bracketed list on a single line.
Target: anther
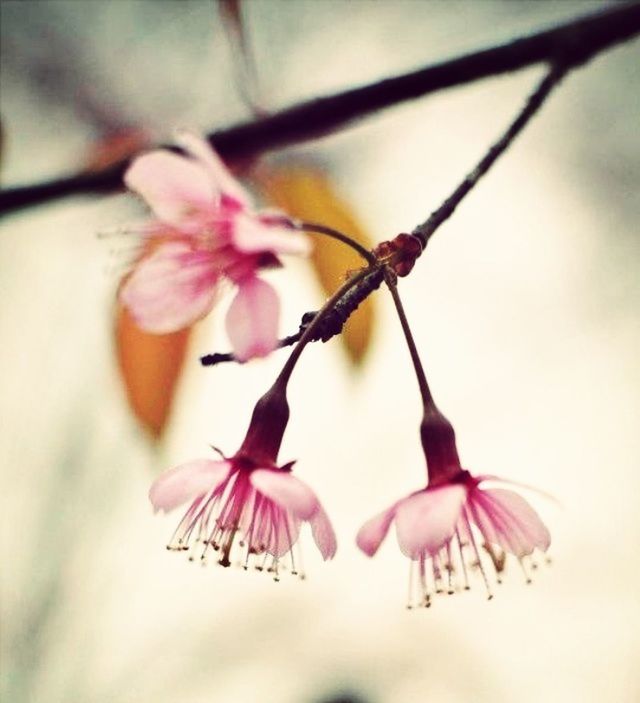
[(527, 578)]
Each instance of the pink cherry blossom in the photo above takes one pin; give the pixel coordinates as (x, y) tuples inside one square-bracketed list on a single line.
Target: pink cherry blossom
[(205, 231), (450, 529), (243, 511)]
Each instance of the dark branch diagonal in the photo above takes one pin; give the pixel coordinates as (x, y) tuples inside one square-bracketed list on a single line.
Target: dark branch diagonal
[(571, 43), (532, 105), (346, 305)]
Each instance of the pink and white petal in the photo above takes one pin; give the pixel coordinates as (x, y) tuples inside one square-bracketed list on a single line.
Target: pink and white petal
[(171, 288), (323, 534), (251, 236), (426, 521), (173, 186), (284, 532), (252, 319), (373, 532), (187, 482), (287, 491), (491, 478), (220, 176), (493, 528), (506, 533), (523, 519)]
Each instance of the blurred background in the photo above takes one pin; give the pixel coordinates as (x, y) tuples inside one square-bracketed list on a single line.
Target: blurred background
[(525, 307)]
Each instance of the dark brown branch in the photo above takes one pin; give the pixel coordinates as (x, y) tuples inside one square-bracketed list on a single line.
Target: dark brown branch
[(224, 357), (349, 302), (533, 104), (331, 324), (571, 43)]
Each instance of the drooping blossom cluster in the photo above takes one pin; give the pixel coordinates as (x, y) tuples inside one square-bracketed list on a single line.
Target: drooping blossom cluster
[(249, 509), (206, 231)]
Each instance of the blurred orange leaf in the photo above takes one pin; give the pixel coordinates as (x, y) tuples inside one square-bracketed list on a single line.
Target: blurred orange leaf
[(306, 192), (116, 146), (150, 365)]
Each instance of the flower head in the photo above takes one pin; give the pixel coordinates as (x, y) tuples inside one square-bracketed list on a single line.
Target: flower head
[(245, 506), (456, 526), (205, 231)]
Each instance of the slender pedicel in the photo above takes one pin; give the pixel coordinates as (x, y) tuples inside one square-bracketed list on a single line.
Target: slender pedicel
[(368, 256), (436, 432)]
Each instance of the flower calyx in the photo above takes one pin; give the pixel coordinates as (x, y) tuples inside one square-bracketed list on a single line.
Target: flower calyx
[(439, 445), (268, 424)]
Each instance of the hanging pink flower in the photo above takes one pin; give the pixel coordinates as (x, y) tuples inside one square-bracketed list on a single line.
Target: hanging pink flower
[(245, 508), (456, 526), (206, 231), (242, 511)]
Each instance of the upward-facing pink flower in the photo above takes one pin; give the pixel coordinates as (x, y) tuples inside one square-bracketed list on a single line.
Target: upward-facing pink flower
[(207, 231), (245, 508), (460, 524)]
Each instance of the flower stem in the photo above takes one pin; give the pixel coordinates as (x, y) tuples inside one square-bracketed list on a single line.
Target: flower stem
[(335, 234), (352, 282), (436, 432), (271, 413), (425, 391)]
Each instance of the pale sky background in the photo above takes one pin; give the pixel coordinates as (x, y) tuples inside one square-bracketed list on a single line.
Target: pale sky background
[(525, 307)]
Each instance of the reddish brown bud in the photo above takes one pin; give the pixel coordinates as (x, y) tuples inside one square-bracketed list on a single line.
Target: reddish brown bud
[(400, 253)]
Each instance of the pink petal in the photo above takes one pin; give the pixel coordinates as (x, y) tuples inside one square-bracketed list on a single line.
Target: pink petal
[(270, 528), (489, 528), (252, 319), (219, 174), (283, 532), (519, 484), (495, 527), (289, 492), (252, 236), (426, 521), (516, 520), (186, 482), (173, 186), (323, 534), (371, 534), (171, 288)]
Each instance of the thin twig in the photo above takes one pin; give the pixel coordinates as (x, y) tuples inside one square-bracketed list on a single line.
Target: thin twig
[(339, 236), (315, 326), (426, 229), (571, 43), (224, 357), (332, 321), (533, 104)]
